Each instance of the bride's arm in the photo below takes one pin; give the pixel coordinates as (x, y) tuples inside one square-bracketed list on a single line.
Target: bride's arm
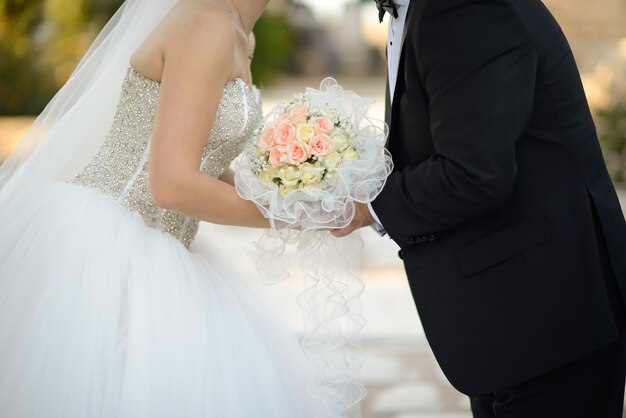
[(229, 175), (198, 61)]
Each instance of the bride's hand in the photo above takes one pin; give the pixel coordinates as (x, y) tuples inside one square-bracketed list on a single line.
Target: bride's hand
[(362, 218)]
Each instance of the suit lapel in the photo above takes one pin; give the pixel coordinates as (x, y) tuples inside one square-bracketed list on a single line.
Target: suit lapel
[(409, 14)]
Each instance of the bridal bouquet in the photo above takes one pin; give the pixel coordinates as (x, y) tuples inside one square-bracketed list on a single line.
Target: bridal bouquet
[(315, 157), (304, 147)]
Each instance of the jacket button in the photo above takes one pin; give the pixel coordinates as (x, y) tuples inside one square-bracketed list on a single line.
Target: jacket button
[(401, 255), (432, 237)]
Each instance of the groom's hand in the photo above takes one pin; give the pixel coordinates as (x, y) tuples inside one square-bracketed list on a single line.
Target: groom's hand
[(362, 218)]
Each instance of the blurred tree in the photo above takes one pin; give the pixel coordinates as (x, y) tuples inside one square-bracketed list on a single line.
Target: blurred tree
[(41, 41), (68, 29), (275, 41), (18, 19), (611, 116), (611, 124)]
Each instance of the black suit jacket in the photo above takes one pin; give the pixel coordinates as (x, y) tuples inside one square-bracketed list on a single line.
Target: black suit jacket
[(511, 231)]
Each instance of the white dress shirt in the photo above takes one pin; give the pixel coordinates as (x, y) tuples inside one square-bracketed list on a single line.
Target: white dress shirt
[(394, 50), (394, 45)]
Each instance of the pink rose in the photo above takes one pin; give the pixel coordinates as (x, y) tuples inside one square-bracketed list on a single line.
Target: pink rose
[(276, 155), (285, 134), (298, 152), (284, 118), (321, 145), (267, 139), (323, 125), (298, 115)]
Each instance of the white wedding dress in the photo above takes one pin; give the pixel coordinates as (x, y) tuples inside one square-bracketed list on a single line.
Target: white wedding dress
[(107, 307)]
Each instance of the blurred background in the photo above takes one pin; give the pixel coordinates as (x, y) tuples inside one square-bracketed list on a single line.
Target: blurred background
[(298, 43)]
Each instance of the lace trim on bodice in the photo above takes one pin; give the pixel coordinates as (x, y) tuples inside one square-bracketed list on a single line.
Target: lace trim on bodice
[(120, 168)]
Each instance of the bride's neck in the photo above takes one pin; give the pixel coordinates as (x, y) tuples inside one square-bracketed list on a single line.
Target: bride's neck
[(250, 11)]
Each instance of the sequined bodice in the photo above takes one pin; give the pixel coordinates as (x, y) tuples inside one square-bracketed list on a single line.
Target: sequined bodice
[(120, 168)]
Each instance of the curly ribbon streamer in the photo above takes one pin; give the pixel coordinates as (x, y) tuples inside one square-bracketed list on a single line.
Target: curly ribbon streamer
[(331, 298)]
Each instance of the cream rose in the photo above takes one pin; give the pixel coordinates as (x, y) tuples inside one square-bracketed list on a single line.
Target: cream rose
[(332, 160), (266, 176), (339, 140), (350, 154), (285, 190), (274, 172), (290, 176), (298, 152), (311, 174), (305, 132), (320, 145)]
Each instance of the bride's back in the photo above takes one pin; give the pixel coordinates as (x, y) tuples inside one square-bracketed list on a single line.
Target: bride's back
[(174, 119)]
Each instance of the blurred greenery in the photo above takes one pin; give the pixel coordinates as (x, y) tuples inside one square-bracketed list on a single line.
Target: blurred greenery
[(41, 41), (611, 125), (274, 47)]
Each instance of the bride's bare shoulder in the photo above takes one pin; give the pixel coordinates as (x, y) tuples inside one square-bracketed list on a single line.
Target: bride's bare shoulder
[(194, 30), (200, 18)]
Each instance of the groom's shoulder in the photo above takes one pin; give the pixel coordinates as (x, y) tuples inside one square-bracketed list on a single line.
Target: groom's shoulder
[(468, 21), (531, 13), (470, 15), (471, 10), (462, 34)]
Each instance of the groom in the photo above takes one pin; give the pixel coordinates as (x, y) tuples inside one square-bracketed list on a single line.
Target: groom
[(511, 232)]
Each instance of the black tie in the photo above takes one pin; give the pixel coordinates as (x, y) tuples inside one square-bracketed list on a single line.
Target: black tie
[(386, 6)]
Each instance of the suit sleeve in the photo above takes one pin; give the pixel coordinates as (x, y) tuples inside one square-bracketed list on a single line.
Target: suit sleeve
[(478, 68)]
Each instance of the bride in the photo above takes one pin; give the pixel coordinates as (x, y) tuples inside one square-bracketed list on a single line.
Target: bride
[(107, 307)]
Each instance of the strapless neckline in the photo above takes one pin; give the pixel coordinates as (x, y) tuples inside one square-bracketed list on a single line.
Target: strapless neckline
[(250, 87)]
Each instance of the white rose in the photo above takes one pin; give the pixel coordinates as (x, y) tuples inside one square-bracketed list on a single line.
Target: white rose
[(265, 176), (350, 154), (311, 174), (285, 190), (273, 172), (305, 132), (290, 176), (339, 140), (332, 160)]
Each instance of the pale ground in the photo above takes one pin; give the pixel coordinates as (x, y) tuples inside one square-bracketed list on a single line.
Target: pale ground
[(400, 374)]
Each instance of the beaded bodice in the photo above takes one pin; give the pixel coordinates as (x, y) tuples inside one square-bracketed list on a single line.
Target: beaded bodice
[(120, 168)]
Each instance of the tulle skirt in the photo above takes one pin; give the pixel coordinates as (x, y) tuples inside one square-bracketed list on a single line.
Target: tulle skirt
[(101, 316)]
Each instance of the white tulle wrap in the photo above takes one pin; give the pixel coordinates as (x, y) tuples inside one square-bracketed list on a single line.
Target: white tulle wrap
[(300, 219)]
